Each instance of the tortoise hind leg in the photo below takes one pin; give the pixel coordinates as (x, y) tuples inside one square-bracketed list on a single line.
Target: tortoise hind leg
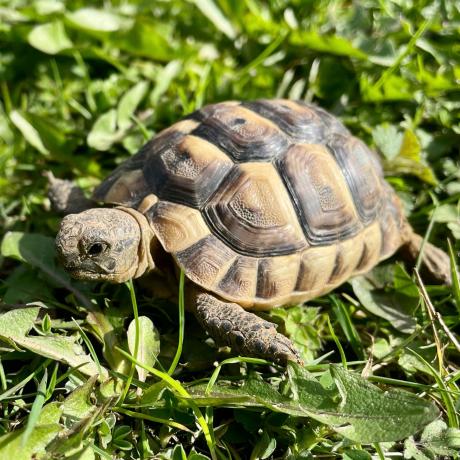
[(435, 262), (246, 333)]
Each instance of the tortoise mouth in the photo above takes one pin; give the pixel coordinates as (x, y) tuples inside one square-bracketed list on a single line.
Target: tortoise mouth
[(86, 273)]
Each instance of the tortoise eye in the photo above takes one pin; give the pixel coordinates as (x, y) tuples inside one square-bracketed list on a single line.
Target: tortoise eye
[(96, 249)]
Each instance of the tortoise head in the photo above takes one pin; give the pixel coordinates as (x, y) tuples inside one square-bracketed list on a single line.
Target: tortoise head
[(107, 244)]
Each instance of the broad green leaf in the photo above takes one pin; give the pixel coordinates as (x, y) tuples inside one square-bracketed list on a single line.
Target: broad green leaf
[(41, 133), (440, 439), (80, 414), (214, 14), (369, 414), (356, 455), (355, 408), (45, 7), (454, 227), (96, 20), (179, 453), (36, 250), (410, 147), (409, 160), (146, 38), (63, 349), (149, 344), (402, 165), (394, 88), (388, 140), (446, 213), (129, 102), (164, 79), (303, 326), (77, 405), (411, 450), (85, 454), (23, 285), (29, 132), (18, 322), (395, 305), (153, 393), (50, 38), (104, 131), (436, 441), (45, 431), (332, 44), (264, 447)]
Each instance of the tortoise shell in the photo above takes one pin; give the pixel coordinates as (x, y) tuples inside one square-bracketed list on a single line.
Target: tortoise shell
[(263, 203)]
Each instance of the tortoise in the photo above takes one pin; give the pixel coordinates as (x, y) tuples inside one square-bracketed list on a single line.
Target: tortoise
[(261, 203)]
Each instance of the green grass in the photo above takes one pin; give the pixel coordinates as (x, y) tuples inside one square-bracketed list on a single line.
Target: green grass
[(93, 371)]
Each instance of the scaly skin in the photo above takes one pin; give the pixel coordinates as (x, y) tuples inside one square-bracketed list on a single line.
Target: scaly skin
[(246, 333), (65, 196), (435, 263)]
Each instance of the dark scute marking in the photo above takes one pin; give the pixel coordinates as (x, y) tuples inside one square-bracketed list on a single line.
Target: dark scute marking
[(174, 174), (203, 260), (339, 266), (151, 213), (265, 287), (197, 115), (332, 124), (204, 112), (135, 162), (242, 139), (363, 174), (300, 284), (237, 280), (302, 126), (364, 257), (323, 214)]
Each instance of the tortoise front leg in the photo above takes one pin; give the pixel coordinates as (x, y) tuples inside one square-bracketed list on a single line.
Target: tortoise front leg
[(246, 333), (65, 196)]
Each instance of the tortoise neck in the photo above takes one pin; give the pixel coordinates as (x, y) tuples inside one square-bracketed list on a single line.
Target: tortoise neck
[(147, 246)]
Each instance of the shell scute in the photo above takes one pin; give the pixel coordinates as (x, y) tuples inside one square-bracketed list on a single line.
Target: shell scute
[(187, 171), (277, 276), (253, 212), (176, 226), (242, 134), (301, 123), (362, 172), (241, 278), (206, 261), (320, 193)]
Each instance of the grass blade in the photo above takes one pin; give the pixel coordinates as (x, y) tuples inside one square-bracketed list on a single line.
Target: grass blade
[(36, 409), (215, 15), (176, 386), (455, 279), (136, 342), (175, 361)]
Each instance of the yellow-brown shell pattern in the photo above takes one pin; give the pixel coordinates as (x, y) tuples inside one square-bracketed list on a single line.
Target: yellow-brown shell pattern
[(263, 203)]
